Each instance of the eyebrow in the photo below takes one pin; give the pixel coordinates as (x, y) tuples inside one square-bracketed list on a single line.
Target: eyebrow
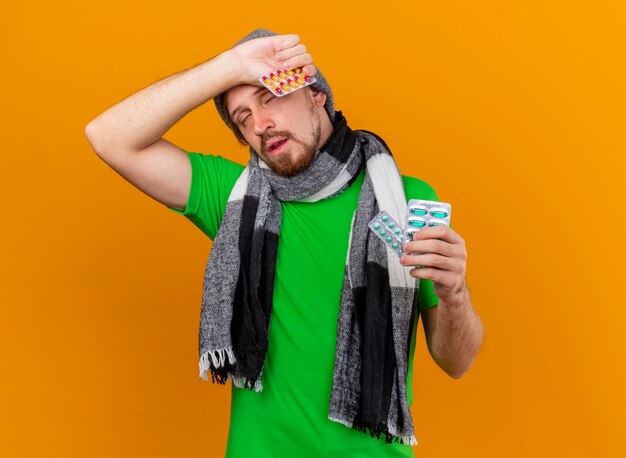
[(254, 94)]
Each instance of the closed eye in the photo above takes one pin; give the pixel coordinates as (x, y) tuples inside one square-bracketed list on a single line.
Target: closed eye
[(267, 99)]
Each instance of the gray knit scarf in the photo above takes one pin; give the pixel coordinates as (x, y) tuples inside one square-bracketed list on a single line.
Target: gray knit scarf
[(377, 301)]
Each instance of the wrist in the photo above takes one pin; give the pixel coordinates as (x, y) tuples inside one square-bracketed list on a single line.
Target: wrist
[(456, 302), (231, 68), (217, 74)]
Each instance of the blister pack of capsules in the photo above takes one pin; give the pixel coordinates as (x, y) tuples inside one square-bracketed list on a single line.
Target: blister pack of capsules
[(389, 231), (425, 213), (283, 82), (420, 214)]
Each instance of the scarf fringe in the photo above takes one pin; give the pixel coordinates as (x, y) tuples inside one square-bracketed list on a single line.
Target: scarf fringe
[(390, 436), (243, 382), (217, 359)]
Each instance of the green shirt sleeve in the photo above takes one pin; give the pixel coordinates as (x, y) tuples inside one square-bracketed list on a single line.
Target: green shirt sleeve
[(212, 179)]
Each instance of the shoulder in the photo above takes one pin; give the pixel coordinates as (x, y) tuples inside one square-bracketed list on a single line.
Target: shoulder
[(416, 188), (212, 180), (213, 173), (209, 162)]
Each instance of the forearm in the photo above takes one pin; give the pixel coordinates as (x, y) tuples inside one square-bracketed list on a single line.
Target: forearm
[(457, 337), (143, 118)]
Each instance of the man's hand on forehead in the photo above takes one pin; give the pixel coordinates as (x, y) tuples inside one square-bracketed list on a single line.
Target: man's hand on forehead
[(267, 54)]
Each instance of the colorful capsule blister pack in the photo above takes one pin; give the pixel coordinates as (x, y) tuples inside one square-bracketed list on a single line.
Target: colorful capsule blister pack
[(389, 231), (283, 82), (420, 214)]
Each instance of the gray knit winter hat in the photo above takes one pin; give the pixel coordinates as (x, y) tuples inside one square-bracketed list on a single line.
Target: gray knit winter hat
[(320, 85)]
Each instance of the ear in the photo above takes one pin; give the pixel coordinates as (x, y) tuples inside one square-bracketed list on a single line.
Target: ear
[(318, 96)]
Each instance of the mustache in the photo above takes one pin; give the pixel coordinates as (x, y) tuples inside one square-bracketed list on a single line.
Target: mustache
[(266, 138)]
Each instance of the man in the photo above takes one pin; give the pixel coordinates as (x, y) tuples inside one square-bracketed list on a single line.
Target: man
[(291, 243)]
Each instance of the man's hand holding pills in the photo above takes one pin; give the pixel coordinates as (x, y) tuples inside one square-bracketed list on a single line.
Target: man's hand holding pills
[(263, 55), (443, 259)]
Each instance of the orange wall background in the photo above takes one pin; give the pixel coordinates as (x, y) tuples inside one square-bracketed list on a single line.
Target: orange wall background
[(513, 111)]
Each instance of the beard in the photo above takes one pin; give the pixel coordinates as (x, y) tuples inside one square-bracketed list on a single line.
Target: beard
[(297, 155)]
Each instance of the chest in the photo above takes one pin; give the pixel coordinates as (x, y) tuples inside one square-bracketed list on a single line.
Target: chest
[(314, 236)]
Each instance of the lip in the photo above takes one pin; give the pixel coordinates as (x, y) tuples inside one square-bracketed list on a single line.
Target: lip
[(277, 150)]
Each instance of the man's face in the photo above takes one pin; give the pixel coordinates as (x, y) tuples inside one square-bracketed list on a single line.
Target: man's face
[(284, 131)]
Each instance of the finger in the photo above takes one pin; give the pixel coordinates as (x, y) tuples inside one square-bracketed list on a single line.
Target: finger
[(298, 61), (428, 260), (309, 70), (291, 52), (438, 232), (285, 41), (441, 277), (431, 246)]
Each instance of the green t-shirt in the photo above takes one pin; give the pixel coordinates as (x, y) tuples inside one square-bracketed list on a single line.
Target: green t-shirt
[(290, 416)]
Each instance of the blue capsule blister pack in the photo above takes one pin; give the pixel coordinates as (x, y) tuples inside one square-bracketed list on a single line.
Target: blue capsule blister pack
[(420, 215), (425, 213)]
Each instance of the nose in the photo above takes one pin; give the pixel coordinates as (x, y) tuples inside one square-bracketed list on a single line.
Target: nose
[(262, 121)]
